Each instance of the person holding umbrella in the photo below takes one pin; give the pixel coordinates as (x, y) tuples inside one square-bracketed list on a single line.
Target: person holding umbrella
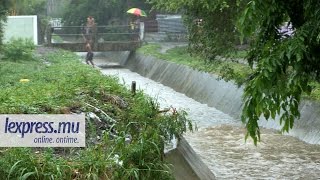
[(137, 12), (134, 24), (135, 21)]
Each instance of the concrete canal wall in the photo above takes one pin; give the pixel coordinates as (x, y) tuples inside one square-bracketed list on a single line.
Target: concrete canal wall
[(224, 96), (207, 89)]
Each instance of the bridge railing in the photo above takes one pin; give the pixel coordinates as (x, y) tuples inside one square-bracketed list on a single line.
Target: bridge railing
[(77, 34), (103, 37)]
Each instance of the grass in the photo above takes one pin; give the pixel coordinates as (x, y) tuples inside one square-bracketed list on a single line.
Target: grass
[(56, 38), (59, 83), (315, 93), (241, 54), (228, 70)]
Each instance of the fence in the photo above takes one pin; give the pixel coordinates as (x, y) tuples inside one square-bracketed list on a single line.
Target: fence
[(78, 34), (165, 28), (56, 22)]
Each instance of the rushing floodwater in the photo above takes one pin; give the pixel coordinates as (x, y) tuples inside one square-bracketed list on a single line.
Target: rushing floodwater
[(220, 139)]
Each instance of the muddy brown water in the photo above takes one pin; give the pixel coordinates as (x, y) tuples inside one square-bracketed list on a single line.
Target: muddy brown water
[(220, 142), (277, 156)]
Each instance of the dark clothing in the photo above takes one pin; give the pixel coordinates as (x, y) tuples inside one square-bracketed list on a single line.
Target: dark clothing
[(89, 56)]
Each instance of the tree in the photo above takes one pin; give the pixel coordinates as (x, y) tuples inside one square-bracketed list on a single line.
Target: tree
[(104, 11), (26, 7), (3, 16), (211, 25), (56, 8), (34, 7), (285, 65)]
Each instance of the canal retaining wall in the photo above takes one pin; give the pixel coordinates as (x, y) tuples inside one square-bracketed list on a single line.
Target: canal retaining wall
[(224, 96)]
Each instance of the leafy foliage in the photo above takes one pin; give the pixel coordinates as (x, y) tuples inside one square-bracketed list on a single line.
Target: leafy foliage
[(26, 7), (19, 49), (225, 68), (59, 83), (3, 17), (105, 12), (211, 24), (285, 65)]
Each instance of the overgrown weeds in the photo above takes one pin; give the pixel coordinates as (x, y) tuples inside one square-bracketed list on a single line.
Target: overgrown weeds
[(125, 134), (18, 49)]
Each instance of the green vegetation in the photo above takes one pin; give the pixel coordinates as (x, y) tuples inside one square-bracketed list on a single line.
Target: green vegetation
[(132, 131), (105, 12), (18, 49), (3, 18), (228, 70), (210, 24), (286, 63), (241, 54), (28, 7), (25, 7), (56, 38), (315, 93)]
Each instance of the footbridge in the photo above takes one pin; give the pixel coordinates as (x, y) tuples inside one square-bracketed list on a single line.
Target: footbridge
[(103, 38)]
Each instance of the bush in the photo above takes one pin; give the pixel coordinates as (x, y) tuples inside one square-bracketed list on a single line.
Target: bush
[(18, 49), (125, 139)]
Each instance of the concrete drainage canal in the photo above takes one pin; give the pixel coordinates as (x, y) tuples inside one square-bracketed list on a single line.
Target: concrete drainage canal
[(217, 150)]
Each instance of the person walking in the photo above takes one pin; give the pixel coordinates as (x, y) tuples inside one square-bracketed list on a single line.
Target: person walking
[(89, 56)]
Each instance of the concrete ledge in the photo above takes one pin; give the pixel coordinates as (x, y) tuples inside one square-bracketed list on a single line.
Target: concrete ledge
[(198, 166), (180, 167)]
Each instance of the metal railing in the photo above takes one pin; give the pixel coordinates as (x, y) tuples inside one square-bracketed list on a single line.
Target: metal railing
[(98, 34), (101, 38)]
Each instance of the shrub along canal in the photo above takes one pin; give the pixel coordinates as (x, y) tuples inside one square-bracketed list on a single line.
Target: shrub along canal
[(125, 134)]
